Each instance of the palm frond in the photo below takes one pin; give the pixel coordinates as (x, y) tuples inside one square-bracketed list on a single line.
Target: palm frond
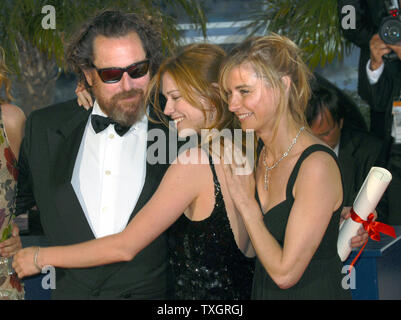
[(312, 24), (23, 18)]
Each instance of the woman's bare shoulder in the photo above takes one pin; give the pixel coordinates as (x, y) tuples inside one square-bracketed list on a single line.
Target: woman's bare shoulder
[(12, 115), (319, 163)]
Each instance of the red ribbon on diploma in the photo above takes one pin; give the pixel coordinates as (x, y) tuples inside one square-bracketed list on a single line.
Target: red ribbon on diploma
[(373, 229)]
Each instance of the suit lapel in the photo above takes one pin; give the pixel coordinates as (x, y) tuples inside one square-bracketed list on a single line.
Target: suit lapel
[(64, 144), (348, 165)]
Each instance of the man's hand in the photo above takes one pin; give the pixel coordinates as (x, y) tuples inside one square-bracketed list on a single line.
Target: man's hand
[(378, 48), (9, 247), (396, 49)]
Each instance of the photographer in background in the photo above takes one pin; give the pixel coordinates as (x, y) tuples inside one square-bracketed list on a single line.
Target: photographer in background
[(379, 81)]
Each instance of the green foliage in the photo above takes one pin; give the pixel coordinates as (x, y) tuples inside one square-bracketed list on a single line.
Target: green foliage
[(313, 25), (7, 231), (22, 19)]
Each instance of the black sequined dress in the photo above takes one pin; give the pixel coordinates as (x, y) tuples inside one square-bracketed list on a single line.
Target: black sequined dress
[(206, 261)]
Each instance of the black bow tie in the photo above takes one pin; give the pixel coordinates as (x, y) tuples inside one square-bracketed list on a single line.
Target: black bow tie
[(99, 123)]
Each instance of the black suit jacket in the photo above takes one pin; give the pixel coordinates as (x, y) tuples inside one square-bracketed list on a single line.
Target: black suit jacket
[(47, 158), (368, 17), (380, 97), (369, 14), (358, 152)]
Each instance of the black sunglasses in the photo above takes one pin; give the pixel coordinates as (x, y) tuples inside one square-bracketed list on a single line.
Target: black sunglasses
[(113, 75)]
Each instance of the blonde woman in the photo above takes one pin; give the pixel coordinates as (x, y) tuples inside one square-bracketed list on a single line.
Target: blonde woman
[(12, 120), (293, 220)]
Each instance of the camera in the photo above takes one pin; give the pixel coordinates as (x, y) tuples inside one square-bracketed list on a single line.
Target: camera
[(390, 26), (390, 30)]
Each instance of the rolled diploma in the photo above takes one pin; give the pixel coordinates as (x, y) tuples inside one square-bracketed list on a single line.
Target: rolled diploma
[(368, 197)]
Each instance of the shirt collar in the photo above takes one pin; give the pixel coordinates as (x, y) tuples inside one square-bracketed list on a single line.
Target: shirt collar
[(336, 149), (97, 111)]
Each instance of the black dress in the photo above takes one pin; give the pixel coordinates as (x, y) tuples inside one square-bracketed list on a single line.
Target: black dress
[(322, 278), (206, 261)]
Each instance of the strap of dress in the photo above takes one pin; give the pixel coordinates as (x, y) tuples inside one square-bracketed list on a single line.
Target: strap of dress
[(311, 149), (211, 164), (217, 188)]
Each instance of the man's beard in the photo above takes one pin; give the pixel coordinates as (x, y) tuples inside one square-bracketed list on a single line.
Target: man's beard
[(125, 113)]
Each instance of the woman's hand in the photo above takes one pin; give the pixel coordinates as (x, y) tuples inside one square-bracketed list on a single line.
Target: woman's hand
[(10, 246), (23, 262), (84, 97), (240, 178)]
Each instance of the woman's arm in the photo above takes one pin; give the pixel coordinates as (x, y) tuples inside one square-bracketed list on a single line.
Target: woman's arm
[(175, 193), (317, 193), (250, 251), (14, 125)]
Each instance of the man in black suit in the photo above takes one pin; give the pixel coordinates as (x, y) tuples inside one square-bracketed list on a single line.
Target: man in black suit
[(368, 17), (379, 83), (383, 94), (372, 64), (357, 151), (89, 172)]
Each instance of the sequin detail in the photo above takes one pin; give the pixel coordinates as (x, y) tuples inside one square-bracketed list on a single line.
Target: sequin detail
[(206, 261)]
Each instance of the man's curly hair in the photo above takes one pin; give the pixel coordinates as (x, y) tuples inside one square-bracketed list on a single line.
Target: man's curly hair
[(112, 24)]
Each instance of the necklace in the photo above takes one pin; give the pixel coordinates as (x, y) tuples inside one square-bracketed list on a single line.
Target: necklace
[(285, 154)]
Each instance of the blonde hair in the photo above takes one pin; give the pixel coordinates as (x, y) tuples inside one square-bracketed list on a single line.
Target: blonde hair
[(195, 70), (273, 57), (4, 78)]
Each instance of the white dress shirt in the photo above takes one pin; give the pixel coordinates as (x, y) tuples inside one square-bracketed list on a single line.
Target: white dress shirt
[(336, 149), (109, 174), (374, 75)]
